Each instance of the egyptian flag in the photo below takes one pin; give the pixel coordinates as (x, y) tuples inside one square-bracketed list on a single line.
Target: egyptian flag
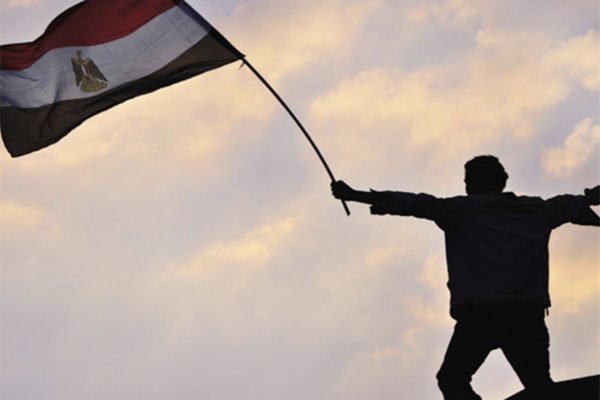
[(96, 55)]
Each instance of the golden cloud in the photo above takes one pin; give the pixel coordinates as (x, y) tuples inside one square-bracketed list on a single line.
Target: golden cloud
[(287, 37), (579, 57), (577, 149), (18, 216), (253, 250), (432, 310), (219, 281), (574, 271), (499, 91)]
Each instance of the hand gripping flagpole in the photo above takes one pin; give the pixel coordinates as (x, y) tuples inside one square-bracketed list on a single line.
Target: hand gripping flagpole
[(312, 143)]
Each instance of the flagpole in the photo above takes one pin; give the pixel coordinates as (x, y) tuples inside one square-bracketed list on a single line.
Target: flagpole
[(312, 143)]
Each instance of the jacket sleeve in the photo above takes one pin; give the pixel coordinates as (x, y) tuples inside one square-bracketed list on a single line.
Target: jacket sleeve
[(570, 208), (408, 204)]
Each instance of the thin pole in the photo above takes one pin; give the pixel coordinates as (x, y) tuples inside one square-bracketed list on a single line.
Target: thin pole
[(312, 143)]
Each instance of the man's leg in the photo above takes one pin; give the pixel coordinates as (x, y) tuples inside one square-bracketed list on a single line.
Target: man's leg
[(525, 346), (466, 352)]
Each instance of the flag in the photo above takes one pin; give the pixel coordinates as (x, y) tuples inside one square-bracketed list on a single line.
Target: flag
[(95, 55)]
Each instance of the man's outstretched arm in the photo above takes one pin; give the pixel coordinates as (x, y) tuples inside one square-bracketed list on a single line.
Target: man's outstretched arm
[(343, 191), (575, 208), (391, 203)]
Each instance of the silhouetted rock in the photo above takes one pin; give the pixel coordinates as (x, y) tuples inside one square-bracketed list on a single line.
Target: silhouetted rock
[(587, 388)]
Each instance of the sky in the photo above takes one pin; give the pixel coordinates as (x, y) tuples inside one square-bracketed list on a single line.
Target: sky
[(185, 244)]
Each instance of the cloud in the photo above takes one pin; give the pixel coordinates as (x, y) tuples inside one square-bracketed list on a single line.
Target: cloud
[(284, 38), (496, 93), (430, 308), (253, 250), (509, 15), (579, 58), (579, 146), (228, 282), (384, 373), (21, 3), (451, 12), (574, 261), (16, 216)]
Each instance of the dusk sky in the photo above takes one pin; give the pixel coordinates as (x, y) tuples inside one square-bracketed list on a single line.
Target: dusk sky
[(185, 244)]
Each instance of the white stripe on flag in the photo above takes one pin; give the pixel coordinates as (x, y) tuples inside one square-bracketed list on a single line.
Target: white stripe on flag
[(139, 54)]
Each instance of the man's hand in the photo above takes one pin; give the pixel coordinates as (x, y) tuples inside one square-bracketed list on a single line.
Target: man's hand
[(341, 190), (592, 195)]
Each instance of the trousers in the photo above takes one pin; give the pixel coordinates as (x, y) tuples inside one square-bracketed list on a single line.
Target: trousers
[(518, 330)]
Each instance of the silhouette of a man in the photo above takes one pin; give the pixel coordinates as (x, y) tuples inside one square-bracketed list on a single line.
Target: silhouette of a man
[(497, 257)]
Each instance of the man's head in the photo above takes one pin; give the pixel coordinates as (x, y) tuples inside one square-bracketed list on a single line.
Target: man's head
[(485, 174)]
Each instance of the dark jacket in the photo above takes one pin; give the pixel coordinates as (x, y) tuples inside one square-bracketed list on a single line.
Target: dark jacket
[(496, 244)]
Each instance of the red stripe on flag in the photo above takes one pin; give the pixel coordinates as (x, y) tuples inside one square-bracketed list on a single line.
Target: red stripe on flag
[(88, 23)]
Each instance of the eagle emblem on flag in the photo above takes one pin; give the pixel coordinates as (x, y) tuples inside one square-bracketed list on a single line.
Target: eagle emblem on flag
[(87, 74)]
